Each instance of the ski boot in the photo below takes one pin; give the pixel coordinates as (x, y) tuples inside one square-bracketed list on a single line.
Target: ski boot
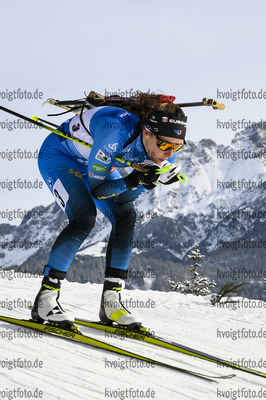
[(47, 308), (112, 309)]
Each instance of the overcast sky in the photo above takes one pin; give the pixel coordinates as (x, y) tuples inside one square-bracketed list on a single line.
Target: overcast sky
[(190, 49)]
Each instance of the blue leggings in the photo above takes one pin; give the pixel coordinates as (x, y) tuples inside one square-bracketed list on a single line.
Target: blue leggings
[(67, 180)]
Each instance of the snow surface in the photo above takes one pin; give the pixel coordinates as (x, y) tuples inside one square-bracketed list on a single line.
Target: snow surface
[(77, 371)]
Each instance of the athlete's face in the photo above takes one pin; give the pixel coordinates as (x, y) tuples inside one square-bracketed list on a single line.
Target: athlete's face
[(155, 153)]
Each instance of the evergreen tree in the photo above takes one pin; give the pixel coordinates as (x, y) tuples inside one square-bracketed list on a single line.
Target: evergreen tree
[(196, 285), (227, 290)]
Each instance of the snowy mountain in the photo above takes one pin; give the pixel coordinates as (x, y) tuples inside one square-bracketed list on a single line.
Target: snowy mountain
[(57, 369), (221, 208)]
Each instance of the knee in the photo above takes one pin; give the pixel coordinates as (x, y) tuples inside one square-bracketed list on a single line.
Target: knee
[(84, 223), (126, 217)]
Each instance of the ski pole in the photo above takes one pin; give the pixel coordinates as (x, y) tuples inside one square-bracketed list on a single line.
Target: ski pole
[(35, 121), (134, 165), (20, 116), (47, 122)]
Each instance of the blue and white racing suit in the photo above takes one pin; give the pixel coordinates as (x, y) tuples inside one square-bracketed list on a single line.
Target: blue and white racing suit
[(82, 179)]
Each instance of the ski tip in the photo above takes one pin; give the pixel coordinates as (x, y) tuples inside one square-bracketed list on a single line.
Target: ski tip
[(228, 376), (50, 101), (35, 118), (45, 102)]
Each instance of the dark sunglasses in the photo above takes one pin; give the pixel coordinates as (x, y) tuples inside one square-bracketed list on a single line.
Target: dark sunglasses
[(167, 145)]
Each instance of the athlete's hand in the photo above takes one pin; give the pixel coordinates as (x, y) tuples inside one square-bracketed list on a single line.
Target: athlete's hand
[(169, 177), (135, 179)]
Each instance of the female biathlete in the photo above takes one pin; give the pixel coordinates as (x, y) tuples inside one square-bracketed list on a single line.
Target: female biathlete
[(82, 179)]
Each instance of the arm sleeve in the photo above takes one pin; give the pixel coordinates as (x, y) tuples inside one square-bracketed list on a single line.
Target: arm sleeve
[(131, 195), (107, 143)]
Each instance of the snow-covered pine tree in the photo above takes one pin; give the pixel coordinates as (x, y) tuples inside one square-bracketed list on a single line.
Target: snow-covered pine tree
[(197, 285)]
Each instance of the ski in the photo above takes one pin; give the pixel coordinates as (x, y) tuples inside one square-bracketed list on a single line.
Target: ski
[(84, 339), (159, 341)]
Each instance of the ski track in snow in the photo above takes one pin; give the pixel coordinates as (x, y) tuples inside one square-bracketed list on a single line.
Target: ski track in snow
[(77, 371)]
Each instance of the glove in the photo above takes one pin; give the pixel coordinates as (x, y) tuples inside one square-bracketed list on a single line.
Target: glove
[(166, 178), (135, 179)]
